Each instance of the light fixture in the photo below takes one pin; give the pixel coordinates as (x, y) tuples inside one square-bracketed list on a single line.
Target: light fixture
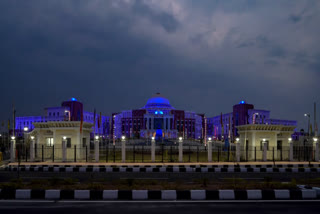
[(25, 129), (97, 137), (123, 137), (64, 137), (264, 140), (32, 137), (237, 139), (152, 138), (290, 139), (315, 139), (13, 137), (209, 138), (180, 138)]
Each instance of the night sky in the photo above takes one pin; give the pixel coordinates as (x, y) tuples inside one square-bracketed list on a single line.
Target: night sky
[(203, 55)]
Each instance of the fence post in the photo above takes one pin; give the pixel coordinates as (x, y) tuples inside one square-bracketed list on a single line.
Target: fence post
[(32, 150), (229, 153), (316, 155), (123, 150), (26, 153), (238, 152), (53, 153), (86, 153), (64, 151), (290, 151), (153, 150), (255, 153), (75, 153), (189, 153), (96, 150), (42, 153), (218, 154), (13, 150), (171, 153), (180, 151), (273, 154), (265, 151), (209, 151)]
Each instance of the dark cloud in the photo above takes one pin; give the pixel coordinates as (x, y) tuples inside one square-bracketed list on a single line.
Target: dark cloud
[(203, 55)]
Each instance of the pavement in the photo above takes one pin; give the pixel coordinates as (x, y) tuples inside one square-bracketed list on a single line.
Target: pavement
[(163, 164), (155, 207)]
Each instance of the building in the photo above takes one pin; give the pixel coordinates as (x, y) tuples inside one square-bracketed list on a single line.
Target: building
[(158, 119), (225, 125), (71, 110)]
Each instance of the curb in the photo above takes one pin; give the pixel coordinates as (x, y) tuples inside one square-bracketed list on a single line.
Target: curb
[(298, 168), (295, 194)]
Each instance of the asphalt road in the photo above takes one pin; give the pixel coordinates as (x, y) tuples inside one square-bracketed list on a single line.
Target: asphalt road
[(148, 207)]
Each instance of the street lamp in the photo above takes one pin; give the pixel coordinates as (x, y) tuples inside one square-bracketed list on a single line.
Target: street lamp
[(237, 139), (123, 137), (25, 129), (97, 137), (289, 139), (308, 115), (180, 138), (152, 138), (209, 138), (315, 139), (64, 137), (13, 137), (32, 137)]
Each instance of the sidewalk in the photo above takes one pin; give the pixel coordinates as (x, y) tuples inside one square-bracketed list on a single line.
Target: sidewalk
[(162, 164)]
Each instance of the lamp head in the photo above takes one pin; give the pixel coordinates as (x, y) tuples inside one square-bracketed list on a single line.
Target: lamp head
[(25, 129), (32, 137), (64, 137), (13, 137), (97, 137)]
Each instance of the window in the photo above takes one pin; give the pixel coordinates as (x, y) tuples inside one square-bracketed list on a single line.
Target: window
[(261, 145), (54, 114), (49, 113), (49, 141), (58, 114), (68, 142)]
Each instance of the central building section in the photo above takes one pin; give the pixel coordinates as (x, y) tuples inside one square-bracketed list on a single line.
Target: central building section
[(158, 119)]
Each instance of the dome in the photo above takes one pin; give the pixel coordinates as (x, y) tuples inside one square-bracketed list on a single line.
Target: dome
[(158, 101)]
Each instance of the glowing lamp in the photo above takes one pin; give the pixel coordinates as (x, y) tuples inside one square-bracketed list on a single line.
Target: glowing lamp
[(209, 138), (123, 137), (64, 137), (25, 129), (237, 139), (97, 137), (32, 137), (13, 137), (290, 139)]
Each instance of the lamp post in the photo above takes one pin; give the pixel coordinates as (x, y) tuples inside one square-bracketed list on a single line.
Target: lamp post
[(308, 115)]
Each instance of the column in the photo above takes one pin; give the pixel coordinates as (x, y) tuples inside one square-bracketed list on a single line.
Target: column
[(169, 123), (180, 151), (96, 149), (252, 145), (265, 151), (32, 142), (209, 151), (64, 150), (123, 150), (152, 123), (153, 150), (13, 150), (238, 153)]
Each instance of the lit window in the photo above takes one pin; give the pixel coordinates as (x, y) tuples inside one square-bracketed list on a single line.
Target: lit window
[(49, 141)]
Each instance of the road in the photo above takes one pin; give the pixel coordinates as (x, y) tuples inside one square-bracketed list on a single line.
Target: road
[(149, 207)]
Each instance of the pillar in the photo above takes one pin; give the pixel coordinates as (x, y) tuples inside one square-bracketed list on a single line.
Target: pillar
[(180, 151), (13, 150), (290, 151), (123, 151), (209, 151), (316, 156), (64, 150), (265, 151), (252, 146), (96, 150), (153, 150), (238, 152), (32, 150)]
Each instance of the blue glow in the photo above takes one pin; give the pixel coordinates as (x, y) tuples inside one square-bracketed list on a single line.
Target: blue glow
[(161, 112), (242, 102), (156, 112), (73, 99)]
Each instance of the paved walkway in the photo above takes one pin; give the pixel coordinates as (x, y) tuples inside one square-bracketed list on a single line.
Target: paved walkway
[(163, 164)]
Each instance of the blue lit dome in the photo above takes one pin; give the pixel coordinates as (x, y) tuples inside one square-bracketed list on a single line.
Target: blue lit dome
[(158, 101)]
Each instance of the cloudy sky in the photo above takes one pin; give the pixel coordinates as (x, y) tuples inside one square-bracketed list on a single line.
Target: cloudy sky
[(203, 55)]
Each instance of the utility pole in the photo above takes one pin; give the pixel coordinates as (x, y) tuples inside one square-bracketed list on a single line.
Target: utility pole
[(315, 125)]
